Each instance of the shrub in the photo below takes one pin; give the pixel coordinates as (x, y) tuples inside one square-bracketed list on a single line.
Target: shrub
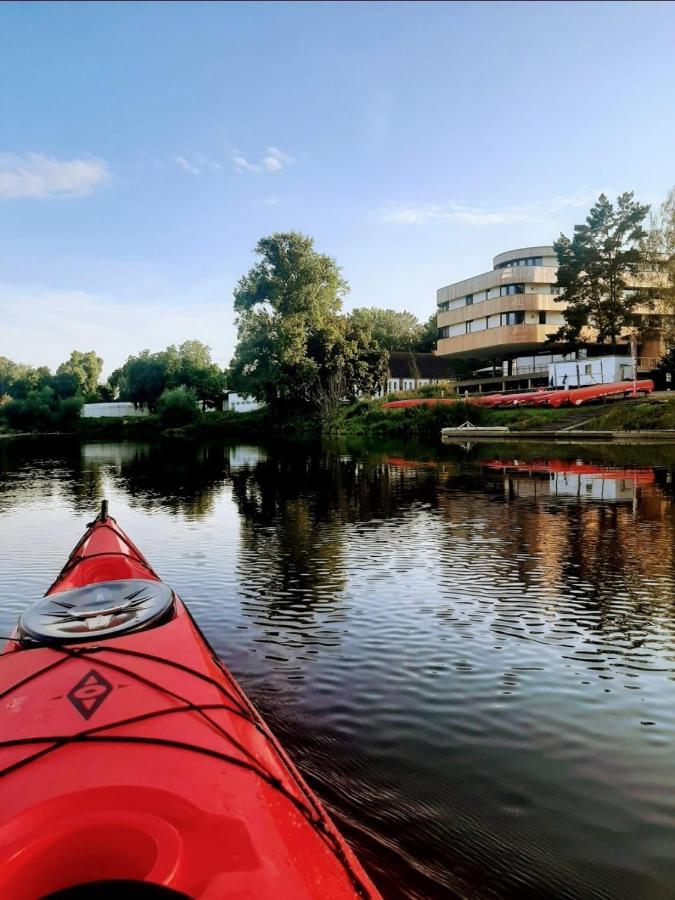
[(177, 406)]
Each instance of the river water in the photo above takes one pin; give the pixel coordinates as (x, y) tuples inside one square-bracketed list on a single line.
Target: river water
[(469, 652)]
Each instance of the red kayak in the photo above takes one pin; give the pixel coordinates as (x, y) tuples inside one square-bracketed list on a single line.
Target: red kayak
[(134, 765)]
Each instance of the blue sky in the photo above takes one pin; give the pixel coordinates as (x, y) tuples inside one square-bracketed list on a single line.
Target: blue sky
[(145, 148)]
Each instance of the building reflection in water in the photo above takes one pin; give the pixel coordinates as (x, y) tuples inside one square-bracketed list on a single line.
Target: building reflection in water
[(573, 479)]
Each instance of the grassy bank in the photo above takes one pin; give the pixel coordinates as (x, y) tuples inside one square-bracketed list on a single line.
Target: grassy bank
[(632, 416), (427, 421)]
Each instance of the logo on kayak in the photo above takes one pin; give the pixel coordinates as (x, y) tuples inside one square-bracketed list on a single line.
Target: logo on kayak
[(89, 693)]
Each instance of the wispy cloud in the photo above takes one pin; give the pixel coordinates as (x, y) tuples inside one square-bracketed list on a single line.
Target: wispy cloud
[(583, 197), (241, 164), (424, 213), (187, 166), (274, 160), (478, 216), (197, 164), (35, 175)]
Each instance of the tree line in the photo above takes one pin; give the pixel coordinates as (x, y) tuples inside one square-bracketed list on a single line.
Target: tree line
[(296, 351), (299, 352)]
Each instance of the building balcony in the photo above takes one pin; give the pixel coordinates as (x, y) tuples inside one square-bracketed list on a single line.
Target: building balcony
[(499, 341), (530, 302), (495, 278)]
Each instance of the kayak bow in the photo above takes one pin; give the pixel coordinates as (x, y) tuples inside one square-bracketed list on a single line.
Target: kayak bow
[(133, 764)]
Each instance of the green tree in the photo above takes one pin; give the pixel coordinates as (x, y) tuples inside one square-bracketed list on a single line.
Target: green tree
[(391, 329), (177, 406), (10, 373), (294, 347), (594, 268), (143, 378), (428, 336), (197, 371), (83, 371)]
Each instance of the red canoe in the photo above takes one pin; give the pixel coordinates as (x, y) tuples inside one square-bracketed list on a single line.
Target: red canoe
[(133, 764)]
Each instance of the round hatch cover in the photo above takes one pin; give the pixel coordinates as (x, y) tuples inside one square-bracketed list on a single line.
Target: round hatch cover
[(104, 609)]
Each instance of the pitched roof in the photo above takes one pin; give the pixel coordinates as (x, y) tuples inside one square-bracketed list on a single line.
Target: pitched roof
[(402, 364)]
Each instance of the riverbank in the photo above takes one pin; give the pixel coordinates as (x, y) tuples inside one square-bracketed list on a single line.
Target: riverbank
[(363, 419)]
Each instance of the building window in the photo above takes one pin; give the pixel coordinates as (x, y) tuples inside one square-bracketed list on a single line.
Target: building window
[(542, 318), (469, 299), (525, 261), (507, 289), (512, 318), (468, 327)]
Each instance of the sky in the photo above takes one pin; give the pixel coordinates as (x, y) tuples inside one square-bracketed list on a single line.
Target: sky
[(145, 148)]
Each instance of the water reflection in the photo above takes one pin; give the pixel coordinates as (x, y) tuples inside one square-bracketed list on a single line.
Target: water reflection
[(572, 479), (472, 655)]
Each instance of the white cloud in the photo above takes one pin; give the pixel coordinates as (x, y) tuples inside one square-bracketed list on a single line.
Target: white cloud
[(274, 160), (34, 175), (241, 164), (187, 166), (583, 197), (478, 216), (424, 213), (198, 164), (41, 325)]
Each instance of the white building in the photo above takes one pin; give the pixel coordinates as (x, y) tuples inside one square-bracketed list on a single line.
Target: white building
[(589, 371), (115, 410), (240, 402), (409, 371)]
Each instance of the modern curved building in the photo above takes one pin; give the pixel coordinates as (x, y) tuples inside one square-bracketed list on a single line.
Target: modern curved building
[(501, 320), (510, 310)]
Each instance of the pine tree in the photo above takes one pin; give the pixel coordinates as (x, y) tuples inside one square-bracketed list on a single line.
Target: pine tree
[(594, 268)]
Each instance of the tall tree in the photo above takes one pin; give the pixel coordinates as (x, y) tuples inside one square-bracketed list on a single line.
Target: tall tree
[(393, 330), (144, 378), (294, 347), (595, 267), (81, 371), (10, 373), (428, 335)]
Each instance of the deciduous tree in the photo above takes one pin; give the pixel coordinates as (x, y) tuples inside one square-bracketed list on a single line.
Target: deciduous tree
[(294, 346), (82, 372)]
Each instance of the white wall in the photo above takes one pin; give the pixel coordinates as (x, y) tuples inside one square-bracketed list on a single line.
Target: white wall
[(585, 372), (111, 410), (591, 487), (241, 403)]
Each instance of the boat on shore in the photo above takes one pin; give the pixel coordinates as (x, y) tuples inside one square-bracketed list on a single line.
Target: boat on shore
[(553, 397), (132, 762)]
